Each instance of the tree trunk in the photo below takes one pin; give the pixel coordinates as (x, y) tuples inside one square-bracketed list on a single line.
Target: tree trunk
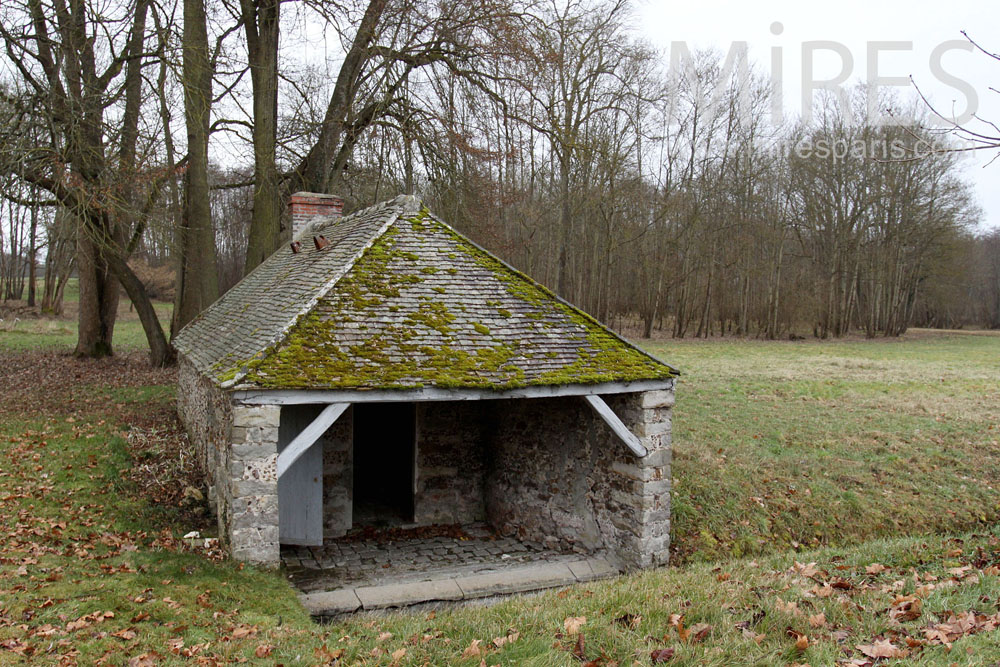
[(32, 250), (197, 279), (261, 23), (98, 305), (565, 228)]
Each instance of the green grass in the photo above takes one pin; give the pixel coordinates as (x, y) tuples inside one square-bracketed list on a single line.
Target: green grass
[(61, 333), (782, 445), (842, 453), (72, 525)]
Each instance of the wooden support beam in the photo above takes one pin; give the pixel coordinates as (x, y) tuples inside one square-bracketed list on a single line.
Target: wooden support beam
[(309, 435), (619, 428)]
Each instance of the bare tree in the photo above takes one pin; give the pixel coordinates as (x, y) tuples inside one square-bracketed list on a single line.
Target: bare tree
[(197, 280), (77, 62)]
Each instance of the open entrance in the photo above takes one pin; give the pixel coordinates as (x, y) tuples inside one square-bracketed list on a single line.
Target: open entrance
[(384, 455)]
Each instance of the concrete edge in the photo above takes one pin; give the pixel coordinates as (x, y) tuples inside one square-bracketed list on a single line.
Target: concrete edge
[(455, 589)]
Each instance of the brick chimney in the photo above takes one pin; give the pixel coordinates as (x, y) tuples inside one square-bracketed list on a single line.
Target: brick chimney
[(309, 206)]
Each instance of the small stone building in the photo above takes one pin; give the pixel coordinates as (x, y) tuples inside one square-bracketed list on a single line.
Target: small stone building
[(386, 368)]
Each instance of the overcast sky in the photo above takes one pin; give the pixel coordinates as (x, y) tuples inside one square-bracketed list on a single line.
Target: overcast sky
[(855, 25)]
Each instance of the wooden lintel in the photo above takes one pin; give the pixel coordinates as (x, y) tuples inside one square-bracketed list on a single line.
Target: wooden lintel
[(309, 435), (326, 396), (616, 424)]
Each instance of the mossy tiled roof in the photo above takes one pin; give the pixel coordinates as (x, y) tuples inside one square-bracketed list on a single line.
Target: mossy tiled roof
[(401, 300)]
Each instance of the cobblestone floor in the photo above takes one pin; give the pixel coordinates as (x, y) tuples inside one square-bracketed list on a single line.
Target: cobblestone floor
[(341, 563)]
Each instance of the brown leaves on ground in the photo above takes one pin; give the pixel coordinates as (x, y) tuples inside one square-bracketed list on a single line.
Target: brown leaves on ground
[(696, 633), (882, 648), (801, 640), (511, 637), (477, 648), (661, 655), (572, 624), (473, 650), (79, 392), (41, 383), (905, 608), (876, 569), (958, 625), (873, 581), (630, 621)]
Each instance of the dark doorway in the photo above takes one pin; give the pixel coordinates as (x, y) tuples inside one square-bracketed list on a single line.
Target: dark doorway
[(384, 453)]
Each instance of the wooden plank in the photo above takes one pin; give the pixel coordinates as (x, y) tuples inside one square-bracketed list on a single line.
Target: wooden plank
[(300, 488), (619, 428), (309, 435), (301, 396)]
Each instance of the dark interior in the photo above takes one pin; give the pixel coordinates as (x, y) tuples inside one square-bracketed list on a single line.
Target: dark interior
[(384, 442)]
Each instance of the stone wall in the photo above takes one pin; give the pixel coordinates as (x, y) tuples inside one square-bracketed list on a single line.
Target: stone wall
[(238, 447), (207, 415), (338, 476), (248, 504), (451, 466), (639, 504), (548, 470), (559, 476)]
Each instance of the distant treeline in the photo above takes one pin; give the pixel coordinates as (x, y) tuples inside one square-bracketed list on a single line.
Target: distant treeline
[(676, 196)]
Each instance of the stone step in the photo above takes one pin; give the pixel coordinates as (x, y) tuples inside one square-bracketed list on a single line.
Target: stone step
[(521, 579)]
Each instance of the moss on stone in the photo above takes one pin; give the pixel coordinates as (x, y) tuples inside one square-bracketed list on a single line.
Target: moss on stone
[(320, 351)]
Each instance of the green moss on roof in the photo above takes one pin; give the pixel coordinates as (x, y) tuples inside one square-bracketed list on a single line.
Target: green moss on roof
[(367, 304)]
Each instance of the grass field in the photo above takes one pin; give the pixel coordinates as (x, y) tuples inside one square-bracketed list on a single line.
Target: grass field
[(60, 334), (877, 460), (782, 445)]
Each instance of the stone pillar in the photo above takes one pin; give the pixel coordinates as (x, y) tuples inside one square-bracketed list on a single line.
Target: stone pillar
[(248, 517), (338, 476), (643, 488)]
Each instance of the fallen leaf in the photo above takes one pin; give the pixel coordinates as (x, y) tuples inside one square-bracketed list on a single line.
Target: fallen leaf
[(790, 608), (661, 655), (818, 620), (578, 650), (882, 648), (876, 568), (509, 638), (327, 656), (264, 650), (824, 591), (572, 624), (244, 630), (802, 643), (631, 621), (472, 650), (806, 570), (905, 608), (698, 632)]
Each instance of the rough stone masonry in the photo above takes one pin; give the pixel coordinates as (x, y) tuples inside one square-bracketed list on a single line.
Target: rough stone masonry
[(547, 471)]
